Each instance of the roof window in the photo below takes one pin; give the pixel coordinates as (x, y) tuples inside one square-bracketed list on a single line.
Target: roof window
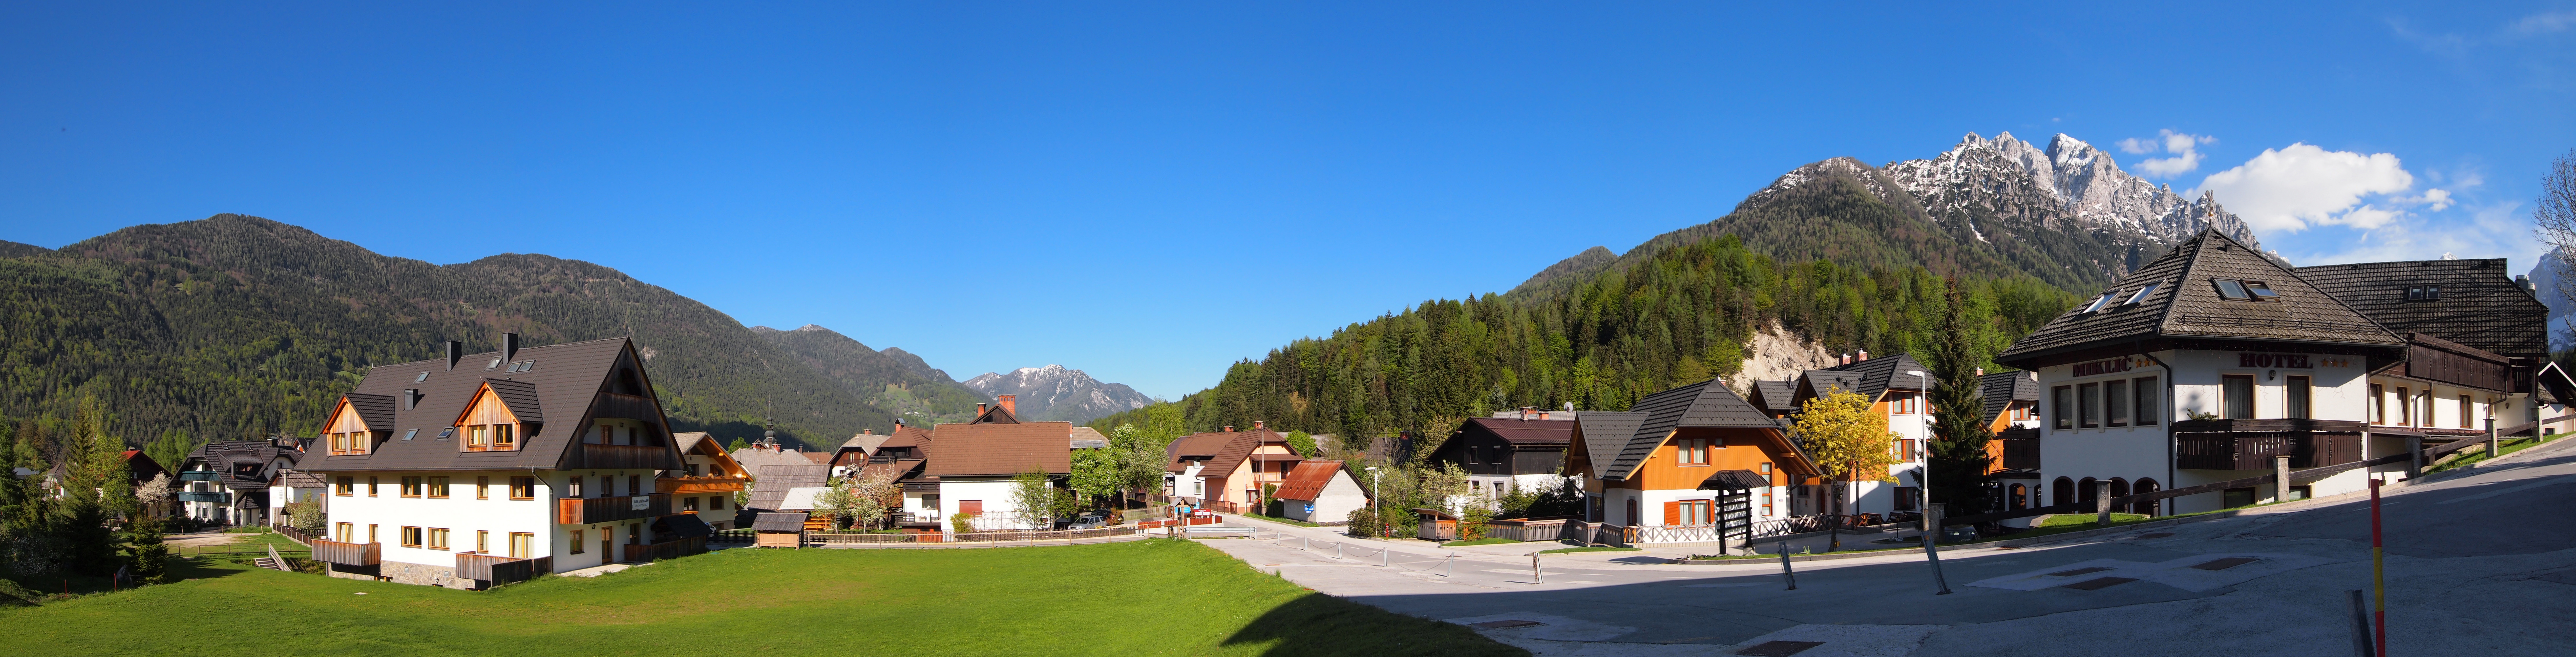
[(496, 364), (2141, 296), (522, 366), (2102, 302), (2423, 294), (424, 376), (2261, 291), (2232, 289)]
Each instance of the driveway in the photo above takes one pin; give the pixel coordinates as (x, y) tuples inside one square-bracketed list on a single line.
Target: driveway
[(2483, 563)]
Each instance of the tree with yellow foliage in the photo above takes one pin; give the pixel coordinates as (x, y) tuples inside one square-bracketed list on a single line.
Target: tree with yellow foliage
[(1849, 441)]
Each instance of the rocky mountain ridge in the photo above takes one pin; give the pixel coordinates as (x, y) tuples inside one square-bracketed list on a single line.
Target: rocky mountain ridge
[(1056, 393)]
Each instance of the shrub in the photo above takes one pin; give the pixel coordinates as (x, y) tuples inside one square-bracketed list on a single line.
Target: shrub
[(1471, 524), (963, 523), (1363, 522)]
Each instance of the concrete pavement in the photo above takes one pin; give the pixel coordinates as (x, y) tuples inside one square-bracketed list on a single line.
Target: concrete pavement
[(2481, 563)]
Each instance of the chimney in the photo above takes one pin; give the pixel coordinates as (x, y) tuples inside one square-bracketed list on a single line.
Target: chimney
[(1846, 358), (1010, 403), (455, 351), (2524, 280), (509, 346), (980, 409), (1229, 428), (1864, 354), (1981, 371)]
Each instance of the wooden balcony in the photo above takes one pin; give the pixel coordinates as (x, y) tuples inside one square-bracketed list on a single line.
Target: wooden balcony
[(612, 509), (2252, 444), (348, 554), (700, 485), (632, 407), (200, 475), (2015, 449), (494, 570), (628, 457)]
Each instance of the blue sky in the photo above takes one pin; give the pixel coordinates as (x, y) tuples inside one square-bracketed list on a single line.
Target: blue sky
[(1157, 190)]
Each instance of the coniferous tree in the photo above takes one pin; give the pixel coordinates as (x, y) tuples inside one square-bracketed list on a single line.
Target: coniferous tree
[(1960, 434)]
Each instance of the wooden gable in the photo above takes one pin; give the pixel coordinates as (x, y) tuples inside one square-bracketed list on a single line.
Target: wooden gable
[(344, 419), (486, 408)]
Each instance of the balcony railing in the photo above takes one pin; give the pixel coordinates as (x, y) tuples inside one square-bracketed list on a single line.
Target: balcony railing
[(213, 496), (2252, 444), (200, 475), (699, 485), (496, 570), (611, 509), (627, 457), (348, 554), (2020, 453)]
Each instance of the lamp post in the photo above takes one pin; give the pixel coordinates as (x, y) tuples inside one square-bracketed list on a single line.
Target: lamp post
[(1377, 492)]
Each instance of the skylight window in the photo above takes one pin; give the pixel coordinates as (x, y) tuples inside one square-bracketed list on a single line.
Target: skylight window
[(496, 364), (424, 376), (2232, 290), (2141, 296), (2261, 292), (2423, 294), (2102, 302)]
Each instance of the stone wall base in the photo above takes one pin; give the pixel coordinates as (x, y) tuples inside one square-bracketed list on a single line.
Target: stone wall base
[(424, 574)]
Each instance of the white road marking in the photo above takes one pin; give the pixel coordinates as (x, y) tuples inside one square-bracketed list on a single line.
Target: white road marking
[(1715, 586), (2545, 482)]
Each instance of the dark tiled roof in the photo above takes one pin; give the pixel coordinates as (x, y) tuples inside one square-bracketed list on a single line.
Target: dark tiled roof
[(778, 522), (770, 483), (1775, 397), (1735, 480), (1308, 480), (2555, 386), (1876, 376), (302, 479), (755, 457), (518, 396), (375, 410), (867, 442), (2186, 304), (567, 377), (2001, 389), (2480, 306), (1527, 433), (1605, 434), (1815, 383), (244, 463), (1001, 449), (1704, 404)]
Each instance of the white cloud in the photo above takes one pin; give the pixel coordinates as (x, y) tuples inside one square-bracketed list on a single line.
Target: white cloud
[(2300, 185), (2545, 22), (2501, 230), (2185, 149)]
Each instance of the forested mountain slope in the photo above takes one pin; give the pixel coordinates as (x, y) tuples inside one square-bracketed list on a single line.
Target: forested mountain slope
[(235, 327), (893, 380)]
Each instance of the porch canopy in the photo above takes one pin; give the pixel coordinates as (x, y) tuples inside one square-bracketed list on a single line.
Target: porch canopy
[(1735, 480)]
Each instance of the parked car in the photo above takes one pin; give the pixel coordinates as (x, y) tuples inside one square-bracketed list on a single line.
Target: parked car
[(1088, 522)]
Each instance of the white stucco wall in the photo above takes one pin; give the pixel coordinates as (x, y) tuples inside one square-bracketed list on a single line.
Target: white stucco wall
[(1334, 504), (995, 492)]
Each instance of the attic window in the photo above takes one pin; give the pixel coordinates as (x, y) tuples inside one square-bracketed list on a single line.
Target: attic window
[(2261, 292), (496, 364), (424, 376), (2141, 296), (2423, 294), (2102, 302), (407, 435), (2232, 290)]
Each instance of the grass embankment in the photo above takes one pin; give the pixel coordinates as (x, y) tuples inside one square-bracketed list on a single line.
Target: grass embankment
[(1480, 541), (2474, 455), (1167, 598)]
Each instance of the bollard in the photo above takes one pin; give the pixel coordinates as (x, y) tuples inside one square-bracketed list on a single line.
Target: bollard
[(2102, 504), (1449, 566), (2493, 439), (2281, 477), (1536, 576), (1337, 550), (1784, 566), (1381, 556)]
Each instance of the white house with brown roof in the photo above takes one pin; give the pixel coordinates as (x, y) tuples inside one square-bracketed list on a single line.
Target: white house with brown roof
[(1321, 492), (1225, 470), (975, 464), (494, 467)]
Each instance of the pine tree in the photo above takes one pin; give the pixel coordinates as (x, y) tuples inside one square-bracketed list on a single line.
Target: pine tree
[(1960, 434)]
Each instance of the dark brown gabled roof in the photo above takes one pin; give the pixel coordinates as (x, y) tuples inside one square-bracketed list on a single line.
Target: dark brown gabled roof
[(375, 410), (2480, 305), (2000, 389), (1605, 434), (243, 464), (1815, 383), (2185, 304), (966, 450), (1874, 377), (778, 522), (1223, 449), (520, 397), (1775, 397), (1705, 404), (571, 378)]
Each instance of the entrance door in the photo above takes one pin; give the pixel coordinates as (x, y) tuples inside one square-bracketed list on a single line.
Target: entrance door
[(1632, 512), (607, 545)]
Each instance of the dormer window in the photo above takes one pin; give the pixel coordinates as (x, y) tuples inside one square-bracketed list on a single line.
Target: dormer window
[(2232, 290), (2423, 294)]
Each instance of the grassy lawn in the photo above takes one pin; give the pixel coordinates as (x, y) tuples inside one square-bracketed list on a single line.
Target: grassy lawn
[(1146, 597), (2474, 455), (1480, 541), (1596, 548)]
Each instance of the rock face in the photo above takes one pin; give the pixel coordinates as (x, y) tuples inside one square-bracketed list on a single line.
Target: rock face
[(2069, 184), (1056, 393), (2548, 278)]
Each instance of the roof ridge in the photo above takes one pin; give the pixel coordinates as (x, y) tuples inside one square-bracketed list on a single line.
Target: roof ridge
[(2190, 264)]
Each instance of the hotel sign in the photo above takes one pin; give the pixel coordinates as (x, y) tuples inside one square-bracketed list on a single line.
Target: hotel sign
[(2285, 361), (2113, 366)]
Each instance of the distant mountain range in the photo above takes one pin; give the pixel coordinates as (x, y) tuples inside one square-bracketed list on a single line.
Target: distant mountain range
[(1055, 393), (238, 327)]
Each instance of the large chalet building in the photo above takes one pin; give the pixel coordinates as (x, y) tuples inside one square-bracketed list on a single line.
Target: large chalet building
[(1511, 450), (1696, 463), (1896, 387), (2213, 361), (486, 468)]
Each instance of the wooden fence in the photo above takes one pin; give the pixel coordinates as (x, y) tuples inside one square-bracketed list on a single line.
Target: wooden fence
[(1526, 529)]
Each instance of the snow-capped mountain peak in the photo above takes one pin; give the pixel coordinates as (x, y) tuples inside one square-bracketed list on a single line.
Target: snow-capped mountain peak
[(1054, 392)]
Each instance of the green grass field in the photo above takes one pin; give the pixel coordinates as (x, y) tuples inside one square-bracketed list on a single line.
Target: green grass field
[(1147, 597)]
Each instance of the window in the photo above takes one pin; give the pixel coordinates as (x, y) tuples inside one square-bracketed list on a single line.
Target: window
[(1909, 404), (344, 487), (2405, 409), (573, 491), (634, 484), (976, 507), (371, 487), (2423, 294), (2089, 410), (520, 544), (2261, 291), (1909, 449), (424, 376), (715, 503), (343, 530), (2141, 296), (2299, 391), (689, 504), (2115, 403), (1909, 498), (2239, 391), (1687, 513), (505, 436), (2147, 412), (371, 533), (411, 487), (2425, 399), (478, 436), (523, 488), (2232, 289), (2378, 405), (437, 538), (576, 541), (2465, 415), (2062, 401), (411, 537), (482, 490), (438, 487), (495, 364), (2102, 302), (1694, 451), (1763, 467), (1766, 502), (482, 542)]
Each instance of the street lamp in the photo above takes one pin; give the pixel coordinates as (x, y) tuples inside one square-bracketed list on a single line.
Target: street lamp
[(1377, 492)]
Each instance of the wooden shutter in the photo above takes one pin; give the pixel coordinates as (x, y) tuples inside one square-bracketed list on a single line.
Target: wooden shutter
[(1673, 513), (971, 507)]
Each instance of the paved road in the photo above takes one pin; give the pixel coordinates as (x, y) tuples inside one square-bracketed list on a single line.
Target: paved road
[(2480, 564)]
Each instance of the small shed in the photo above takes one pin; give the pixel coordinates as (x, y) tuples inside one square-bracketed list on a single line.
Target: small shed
[(1436, 525), (1321, 492), (779, 530)]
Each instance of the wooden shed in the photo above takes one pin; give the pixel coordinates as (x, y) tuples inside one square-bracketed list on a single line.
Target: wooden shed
[(1436, 525), (778, 530)]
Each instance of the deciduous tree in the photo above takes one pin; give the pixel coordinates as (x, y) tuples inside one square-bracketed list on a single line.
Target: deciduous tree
[(1849, 441)]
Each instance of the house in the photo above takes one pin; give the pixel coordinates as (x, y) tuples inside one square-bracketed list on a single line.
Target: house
[(139, 470), (905, 456), (976, 463), (2215, 363), (779, 529), (853, 453), (1895, 387), (1225, 470), (2556, 391), (1695, 463), (706, 482), (1514, 450), (2012, 414), (1321, 492), (228, 482), (477, 469)]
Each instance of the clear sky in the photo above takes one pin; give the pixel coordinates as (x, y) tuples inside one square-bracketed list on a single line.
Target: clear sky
[(1150, 192)]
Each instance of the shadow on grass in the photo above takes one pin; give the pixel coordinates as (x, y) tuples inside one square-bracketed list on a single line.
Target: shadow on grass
[(1318, 624)]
